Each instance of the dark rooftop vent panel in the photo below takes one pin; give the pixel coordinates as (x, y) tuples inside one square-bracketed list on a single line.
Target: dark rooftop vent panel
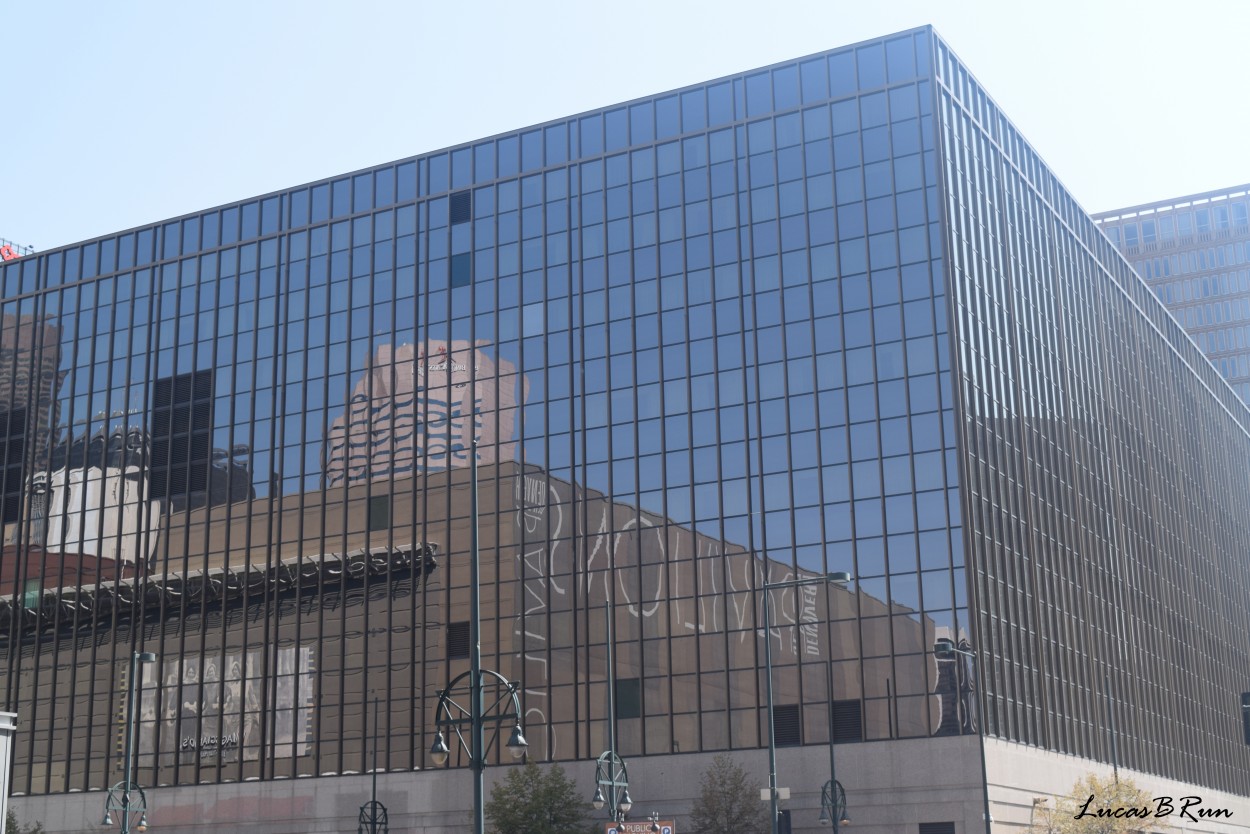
[(461, 209), (786, 728)]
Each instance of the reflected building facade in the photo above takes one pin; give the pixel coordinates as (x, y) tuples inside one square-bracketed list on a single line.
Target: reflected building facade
[(833, 314), (1194, 252)]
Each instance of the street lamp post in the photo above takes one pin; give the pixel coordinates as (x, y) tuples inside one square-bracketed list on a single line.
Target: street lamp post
[(946, 649), (832, 796), (611, 773), (453, 714), (373, 815), (833, 805), (610, 770), (839, 578), (126, 797)]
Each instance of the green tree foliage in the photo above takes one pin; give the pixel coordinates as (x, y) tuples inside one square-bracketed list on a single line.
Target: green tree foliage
[(729, 801), (535, 800), (1124, 805), (12, 826)]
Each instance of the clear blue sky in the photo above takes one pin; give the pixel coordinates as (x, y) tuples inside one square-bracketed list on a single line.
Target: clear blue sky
[(122, 113)]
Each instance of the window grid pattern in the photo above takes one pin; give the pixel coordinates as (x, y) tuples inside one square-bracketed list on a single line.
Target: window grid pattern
[(698, 342), (1102, 469)]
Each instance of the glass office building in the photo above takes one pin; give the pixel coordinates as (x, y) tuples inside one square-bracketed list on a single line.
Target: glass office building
[(1194, 252), (833, 314)]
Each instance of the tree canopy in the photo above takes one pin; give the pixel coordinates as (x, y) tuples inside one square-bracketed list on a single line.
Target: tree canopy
[(537, 800), (12, 826), (729, 800), (1125, 807)]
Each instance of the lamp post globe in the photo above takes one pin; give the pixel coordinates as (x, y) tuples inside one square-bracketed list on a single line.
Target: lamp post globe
[(517, 745), (439, 751)]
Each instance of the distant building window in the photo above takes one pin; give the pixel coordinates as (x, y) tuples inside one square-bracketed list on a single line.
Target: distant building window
[(937, 828), (380, 512), (461, 270), (787, 731), (628, 698), (1130, 234), (458, 637), (1245, 715), (461, 208), (1203, 218)]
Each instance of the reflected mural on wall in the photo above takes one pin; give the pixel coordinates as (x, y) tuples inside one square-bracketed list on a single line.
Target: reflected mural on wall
[(204, 710)]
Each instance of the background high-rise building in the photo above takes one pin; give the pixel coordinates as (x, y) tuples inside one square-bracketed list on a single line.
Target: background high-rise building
[(833, 314), (1194, 252)]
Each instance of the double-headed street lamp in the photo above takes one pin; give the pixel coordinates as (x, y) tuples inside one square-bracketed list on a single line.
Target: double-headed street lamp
[(833, 804), (832, 796), (455, 715), (126, 797), (373, 815), (610, 769), (611, 773), (839, 578), (946, 649)]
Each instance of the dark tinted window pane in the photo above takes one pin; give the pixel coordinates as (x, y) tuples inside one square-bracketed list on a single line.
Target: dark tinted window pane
[(379, 512), (628, 698), (461, 270)]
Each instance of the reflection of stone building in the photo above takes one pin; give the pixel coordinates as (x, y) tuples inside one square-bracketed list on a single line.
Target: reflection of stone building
[(382, 603), (832, 314), (98, 499), (687, 604), (30, 357), (423, 407)]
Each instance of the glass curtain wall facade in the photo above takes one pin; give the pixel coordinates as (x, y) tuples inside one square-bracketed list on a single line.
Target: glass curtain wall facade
[(1104, 475), (828, 315), (1194, 252)]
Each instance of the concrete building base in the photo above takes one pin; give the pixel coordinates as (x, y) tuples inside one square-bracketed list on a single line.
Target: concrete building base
[(891, 787)]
